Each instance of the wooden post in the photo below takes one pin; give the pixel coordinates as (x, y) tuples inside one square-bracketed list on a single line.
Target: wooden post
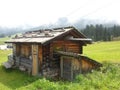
[(35, 59), (81, 49), (72, 61), (61, 66), (40, 55), (80, 61), (14, 49)]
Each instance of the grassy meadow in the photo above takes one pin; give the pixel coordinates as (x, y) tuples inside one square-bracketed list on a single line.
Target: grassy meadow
[(104, 51), (2, 40), (108, 78)]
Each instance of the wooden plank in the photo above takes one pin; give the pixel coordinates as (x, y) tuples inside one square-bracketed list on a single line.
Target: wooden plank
[(14, 49), (66, 46), (66, 67), (40, 56), (80, 61), (25, 50), (18, 49), (65, 42), (86, 66), (80, 49), (61, 66), (35, 59), (71, 60)]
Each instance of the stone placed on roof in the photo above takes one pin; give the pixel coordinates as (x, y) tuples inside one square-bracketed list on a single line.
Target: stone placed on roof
[(44, 36), (39, 36)]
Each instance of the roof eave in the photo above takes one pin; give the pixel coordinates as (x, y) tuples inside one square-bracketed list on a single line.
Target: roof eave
[(85, 40)]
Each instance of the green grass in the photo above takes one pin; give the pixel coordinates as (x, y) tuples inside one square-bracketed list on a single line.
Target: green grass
[(12, 79), (2, 40), (108, 78), (104, 51)]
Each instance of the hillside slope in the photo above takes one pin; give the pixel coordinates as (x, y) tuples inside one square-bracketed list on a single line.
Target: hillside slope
[(104, 51), (108, 78)]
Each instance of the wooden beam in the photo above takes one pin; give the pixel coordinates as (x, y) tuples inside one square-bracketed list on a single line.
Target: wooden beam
[(14, 49), (80, 62), (72, 60), (40, 55), (35, 59), (61, 66)]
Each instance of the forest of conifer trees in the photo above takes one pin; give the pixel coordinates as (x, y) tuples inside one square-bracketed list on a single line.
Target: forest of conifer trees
[(100, 32)]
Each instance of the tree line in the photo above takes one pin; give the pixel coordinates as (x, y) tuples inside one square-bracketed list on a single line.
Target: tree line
[(100, 32)]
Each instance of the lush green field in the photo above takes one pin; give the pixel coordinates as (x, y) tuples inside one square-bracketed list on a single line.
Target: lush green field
[(108, 78), (104, 51), (2, 40)]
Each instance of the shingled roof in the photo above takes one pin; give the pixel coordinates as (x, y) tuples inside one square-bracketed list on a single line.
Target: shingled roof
[(47, 35)]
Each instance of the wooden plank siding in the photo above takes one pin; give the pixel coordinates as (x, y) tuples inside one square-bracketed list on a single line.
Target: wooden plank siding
[(67, 46), (66, 67), (25, 50), (18, 49), (71, 66), (86, 66)]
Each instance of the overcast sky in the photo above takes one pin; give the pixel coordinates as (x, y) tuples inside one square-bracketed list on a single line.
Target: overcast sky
[(16, 13)]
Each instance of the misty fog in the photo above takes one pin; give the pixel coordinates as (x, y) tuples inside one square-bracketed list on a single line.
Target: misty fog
[(61, 22)]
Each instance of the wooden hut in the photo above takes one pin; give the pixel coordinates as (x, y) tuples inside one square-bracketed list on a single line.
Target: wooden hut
[(43, 52)]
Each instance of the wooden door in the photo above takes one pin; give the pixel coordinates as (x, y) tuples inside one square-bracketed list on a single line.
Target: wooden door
[(66, 68)]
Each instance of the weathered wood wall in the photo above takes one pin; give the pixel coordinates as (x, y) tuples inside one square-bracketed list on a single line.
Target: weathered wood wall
[(25, 50), (43, 57), (18, 49), (72, 66), (51, 60), (14, 49), (46, 59), (67, 46), (66, 67), (86, 66), (40, 57), (77, 66), (22, 50), (55, 58)]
